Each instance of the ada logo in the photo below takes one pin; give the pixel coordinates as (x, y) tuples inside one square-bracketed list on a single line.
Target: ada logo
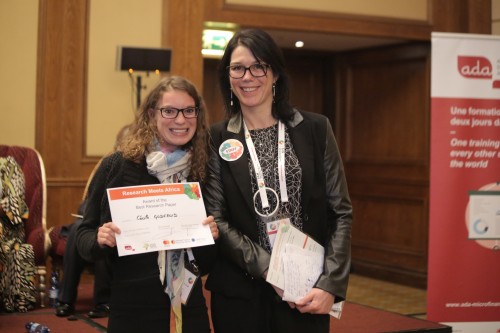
[(473, 67)]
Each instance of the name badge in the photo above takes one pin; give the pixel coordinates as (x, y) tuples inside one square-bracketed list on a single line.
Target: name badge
[(187, 285), (272, 230)]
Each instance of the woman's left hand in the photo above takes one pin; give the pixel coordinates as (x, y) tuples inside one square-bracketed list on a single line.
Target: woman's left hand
[(317, 301), (213, 226)]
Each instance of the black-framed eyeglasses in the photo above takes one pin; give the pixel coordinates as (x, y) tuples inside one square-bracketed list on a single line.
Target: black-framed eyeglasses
[(257, 70), (171, 113)]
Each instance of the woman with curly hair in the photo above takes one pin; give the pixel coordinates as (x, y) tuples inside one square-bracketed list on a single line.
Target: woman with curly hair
[(167, 143)]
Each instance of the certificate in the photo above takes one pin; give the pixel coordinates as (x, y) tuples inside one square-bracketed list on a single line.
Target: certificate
[(159, 217)]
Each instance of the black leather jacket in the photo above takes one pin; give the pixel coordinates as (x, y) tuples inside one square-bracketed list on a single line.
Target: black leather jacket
[(327, 210)]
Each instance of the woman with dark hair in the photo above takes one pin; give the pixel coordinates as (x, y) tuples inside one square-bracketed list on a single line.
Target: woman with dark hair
[(261, 46), (271, 162), (167, 143)]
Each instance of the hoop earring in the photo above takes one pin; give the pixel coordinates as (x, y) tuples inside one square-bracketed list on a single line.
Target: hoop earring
[(231, 90)]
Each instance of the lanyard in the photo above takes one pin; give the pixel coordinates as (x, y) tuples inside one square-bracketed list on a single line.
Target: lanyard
[(258, 170), (192, 261)]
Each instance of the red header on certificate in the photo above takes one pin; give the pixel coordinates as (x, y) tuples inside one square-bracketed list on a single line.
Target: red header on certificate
[(190, 189)]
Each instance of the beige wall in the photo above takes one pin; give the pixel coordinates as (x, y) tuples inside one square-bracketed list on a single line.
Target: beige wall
[(18, 33), (410, 10), (110, 99)]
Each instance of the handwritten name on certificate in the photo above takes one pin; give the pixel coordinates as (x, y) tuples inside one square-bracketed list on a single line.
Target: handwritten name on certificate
[(159, 217)]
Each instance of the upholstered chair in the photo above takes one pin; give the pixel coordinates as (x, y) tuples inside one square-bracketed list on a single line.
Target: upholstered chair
[(35, 226)]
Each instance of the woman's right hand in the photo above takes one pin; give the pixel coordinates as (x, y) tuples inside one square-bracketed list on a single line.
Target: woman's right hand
[(214, 229), (106, 234)]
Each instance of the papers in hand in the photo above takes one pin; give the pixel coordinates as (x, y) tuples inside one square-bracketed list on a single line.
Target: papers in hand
[(301, 269), (296, 263)]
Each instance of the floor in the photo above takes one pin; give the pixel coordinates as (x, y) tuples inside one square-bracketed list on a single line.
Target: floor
[(362, 290), (378, 294), (387, 296)]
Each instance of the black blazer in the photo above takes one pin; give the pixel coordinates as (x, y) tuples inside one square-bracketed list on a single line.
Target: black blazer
[(327, 211)]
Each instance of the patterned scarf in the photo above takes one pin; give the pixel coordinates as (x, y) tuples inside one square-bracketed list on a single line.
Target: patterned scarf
[(12, 191), (171, 167)]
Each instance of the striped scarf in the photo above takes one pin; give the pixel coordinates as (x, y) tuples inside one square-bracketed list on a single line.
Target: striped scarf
[(171, 167)]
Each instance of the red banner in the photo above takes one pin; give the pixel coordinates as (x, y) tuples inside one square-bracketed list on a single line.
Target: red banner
[(464, 240)]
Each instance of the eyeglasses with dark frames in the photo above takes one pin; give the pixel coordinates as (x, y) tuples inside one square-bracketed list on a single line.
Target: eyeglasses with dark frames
[(171, 113), (257, 70)]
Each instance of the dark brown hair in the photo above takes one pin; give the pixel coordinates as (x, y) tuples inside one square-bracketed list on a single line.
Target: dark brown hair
[(264, 49)]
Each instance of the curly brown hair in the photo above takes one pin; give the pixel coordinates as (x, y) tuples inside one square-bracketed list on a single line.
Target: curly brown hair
[(143, 131)]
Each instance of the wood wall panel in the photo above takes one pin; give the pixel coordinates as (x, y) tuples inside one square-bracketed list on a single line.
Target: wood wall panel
[(467, 16), (211, 91), (297, 20), (61, 99), (182, 31), (394, 225), (386, 100), (309, 72)]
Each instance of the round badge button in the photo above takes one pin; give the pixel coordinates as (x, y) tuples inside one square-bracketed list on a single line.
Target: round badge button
[(231, 150)]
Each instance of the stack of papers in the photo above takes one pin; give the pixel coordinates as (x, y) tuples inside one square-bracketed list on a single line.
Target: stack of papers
[(296, 264)]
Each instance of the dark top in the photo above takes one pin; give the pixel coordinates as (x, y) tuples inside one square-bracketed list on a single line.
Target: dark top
[(326, 207), (137, 295)]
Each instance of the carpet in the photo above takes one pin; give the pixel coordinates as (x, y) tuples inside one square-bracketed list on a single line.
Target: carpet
[(14, 322), (356, 318)]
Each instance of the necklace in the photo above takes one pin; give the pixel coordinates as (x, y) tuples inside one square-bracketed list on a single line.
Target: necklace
[(260, 176)]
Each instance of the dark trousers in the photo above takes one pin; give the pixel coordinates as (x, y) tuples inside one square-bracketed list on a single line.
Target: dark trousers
[(265, 312), (141, 305), (73, 266)]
